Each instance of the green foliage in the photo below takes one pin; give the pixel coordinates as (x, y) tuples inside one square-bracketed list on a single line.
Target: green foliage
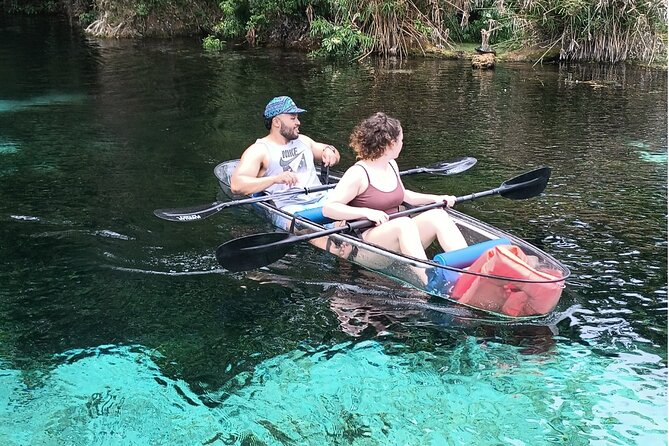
[(86, 18), (600, 30), (340, 41), (211, 43), (242, 16), (31, 7), (142, 9), (480, 19), (270, 8), (235, 15), (422, 28)]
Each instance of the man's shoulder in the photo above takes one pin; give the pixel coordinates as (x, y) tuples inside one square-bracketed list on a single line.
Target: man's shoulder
[(255, 153), (256, 148), (258, 143), (304, 139)]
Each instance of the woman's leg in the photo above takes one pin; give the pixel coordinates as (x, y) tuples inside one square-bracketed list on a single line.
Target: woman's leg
[(399, 234), (437, 224)]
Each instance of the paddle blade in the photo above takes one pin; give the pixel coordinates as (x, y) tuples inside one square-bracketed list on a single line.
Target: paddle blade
[(191, 213), (253, 251), (527, 185), (453, 167)]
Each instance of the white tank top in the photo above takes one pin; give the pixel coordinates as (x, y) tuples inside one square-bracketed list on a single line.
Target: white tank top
[(296, 156)]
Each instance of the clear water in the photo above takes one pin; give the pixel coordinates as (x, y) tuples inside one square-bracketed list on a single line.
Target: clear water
[(119, 328)]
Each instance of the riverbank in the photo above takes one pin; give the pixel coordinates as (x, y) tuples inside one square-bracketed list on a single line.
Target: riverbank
[(122, 19)]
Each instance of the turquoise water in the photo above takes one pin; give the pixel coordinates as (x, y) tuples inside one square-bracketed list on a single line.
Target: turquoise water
[(476, 393), (7, 106), (118, 328)]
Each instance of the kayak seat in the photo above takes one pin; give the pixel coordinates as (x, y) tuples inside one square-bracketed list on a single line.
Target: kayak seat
[(315, 215), (442, 280)]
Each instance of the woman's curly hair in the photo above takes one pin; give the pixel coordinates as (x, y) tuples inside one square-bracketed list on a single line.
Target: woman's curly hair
[(372, 136)]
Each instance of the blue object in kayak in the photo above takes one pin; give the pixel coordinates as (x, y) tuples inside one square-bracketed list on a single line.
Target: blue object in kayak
[(315, 215), (462, 258), (441, 280)]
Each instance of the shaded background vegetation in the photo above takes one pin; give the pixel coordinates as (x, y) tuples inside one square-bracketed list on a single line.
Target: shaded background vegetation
[(583, 30)]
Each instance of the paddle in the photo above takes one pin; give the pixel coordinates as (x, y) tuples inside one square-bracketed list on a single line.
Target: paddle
[(325, 175), (258, 250), (207, 210)]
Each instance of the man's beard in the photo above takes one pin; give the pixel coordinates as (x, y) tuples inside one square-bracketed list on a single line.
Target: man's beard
[(287, 133)]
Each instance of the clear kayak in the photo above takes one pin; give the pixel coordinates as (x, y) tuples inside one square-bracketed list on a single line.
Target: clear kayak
[(497, 273)]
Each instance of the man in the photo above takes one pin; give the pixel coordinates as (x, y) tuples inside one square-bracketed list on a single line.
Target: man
[(283, 159)]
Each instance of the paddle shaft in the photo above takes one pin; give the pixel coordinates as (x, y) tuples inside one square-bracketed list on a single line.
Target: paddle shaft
[(363, 224), (518, 190), (205, 211), (254, 251)]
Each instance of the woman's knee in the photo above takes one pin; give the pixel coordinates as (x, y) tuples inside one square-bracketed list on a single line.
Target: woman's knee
[(436, 215), (401, 225), (408, 228), (402, 221), (433, 218)]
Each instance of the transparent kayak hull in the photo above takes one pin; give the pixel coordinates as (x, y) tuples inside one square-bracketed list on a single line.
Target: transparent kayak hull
[(498, 273)]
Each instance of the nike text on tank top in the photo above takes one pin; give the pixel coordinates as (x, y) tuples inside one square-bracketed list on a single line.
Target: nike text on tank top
[(296, 157), (373, 198)]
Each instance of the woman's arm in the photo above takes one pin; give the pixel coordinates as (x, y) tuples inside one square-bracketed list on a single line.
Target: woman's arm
[(417, 198), (351, 184)]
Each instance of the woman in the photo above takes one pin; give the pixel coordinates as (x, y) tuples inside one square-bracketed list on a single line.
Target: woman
[(372, 189)]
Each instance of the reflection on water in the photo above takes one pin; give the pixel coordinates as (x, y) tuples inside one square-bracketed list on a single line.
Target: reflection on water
[(94, 135), (45, 100)]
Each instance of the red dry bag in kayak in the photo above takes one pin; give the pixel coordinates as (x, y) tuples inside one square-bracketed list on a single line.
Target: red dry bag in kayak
[(509, 297)]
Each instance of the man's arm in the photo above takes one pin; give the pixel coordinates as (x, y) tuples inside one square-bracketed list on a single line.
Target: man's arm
[(324, 153), (246, 178)]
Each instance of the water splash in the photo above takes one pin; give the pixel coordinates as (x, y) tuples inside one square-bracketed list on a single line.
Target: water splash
[(25, 217)]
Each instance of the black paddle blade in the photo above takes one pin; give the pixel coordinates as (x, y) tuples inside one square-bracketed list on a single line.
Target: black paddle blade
[(527, 185), (253, 251), (451, 167)]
